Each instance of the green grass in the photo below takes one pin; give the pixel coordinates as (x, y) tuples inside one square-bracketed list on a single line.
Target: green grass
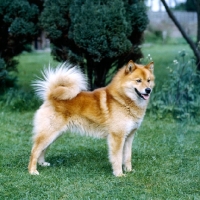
[(165, 153), (30, 66), (165, 158)]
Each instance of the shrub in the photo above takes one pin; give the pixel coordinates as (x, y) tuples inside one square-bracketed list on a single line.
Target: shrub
[(19, 100), (179, 94)]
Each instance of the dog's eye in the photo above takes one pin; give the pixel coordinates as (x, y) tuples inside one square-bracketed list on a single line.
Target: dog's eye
[(148, 80), (139, 80)]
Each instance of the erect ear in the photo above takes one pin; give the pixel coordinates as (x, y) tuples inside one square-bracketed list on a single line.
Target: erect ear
[(150, 66), (130, 67)]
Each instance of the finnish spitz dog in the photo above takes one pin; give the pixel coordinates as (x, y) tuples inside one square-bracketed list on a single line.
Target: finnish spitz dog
[(114, 112)]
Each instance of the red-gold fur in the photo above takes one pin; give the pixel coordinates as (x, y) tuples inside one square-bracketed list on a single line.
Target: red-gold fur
[(114, 112)]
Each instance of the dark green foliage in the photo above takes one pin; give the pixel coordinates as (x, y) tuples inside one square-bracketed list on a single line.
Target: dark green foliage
[(18, 20), (3, 71), (188, 5), (191, 5), (94, 31), (179, 95), (95, 34), (19, 100)]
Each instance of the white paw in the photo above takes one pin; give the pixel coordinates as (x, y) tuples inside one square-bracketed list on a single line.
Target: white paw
[(35, 172), (44, 164), (118, 173), (128, 168)]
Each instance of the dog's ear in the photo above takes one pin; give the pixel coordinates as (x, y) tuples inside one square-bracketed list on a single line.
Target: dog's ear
[(150, 66), (130, 67)]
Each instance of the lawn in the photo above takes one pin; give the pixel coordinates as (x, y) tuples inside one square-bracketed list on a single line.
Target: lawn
[(165, 153), (30, 66), (165, 159)]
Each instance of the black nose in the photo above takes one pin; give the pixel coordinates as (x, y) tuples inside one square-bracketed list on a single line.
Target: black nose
[(148, 90)]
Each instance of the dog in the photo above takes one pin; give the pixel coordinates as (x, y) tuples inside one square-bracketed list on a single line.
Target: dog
[(114, 112)]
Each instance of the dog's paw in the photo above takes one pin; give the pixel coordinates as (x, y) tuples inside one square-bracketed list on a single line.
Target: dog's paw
[(119, 174), (34, 172), (44, 164), (127, 168)]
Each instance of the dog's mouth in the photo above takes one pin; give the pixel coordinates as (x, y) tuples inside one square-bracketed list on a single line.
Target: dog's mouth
[(144, 96)]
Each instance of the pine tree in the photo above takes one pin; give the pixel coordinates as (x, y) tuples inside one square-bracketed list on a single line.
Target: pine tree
[(97, 34), (18, 20)]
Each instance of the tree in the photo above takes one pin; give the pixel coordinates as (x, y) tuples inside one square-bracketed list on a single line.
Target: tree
[(193, 45), (18, 20), (190, 5), (95, 34)]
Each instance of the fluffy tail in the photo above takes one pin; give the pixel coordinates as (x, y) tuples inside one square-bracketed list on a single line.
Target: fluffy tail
[(62, 83)]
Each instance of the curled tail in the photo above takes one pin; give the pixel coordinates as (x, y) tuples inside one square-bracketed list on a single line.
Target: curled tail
[(62, 83)]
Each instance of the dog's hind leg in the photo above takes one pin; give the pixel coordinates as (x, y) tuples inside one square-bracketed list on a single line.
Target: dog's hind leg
[(45, 134), (42, 141), (41, 159)]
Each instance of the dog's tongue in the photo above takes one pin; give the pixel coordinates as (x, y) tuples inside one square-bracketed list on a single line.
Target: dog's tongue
[(145, 96)]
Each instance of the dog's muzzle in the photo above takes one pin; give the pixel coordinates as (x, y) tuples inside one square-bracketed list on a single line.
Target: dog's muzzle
[(145, 95)]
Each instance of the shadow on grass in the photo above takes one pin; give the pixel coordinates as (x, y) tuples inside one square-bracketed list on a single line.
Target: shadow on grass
[(80, 160)]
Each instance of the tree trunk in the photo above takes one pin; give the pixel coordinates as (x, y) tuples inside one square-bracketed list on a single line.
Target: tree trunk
[(187, 38), (197, 2), (90, 73), (100, 71), (96, 72)]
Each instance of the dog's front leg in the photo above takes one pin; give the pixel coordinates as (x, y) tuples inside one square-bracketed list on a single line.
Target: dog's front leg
[(127, 152), (115, 144)]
